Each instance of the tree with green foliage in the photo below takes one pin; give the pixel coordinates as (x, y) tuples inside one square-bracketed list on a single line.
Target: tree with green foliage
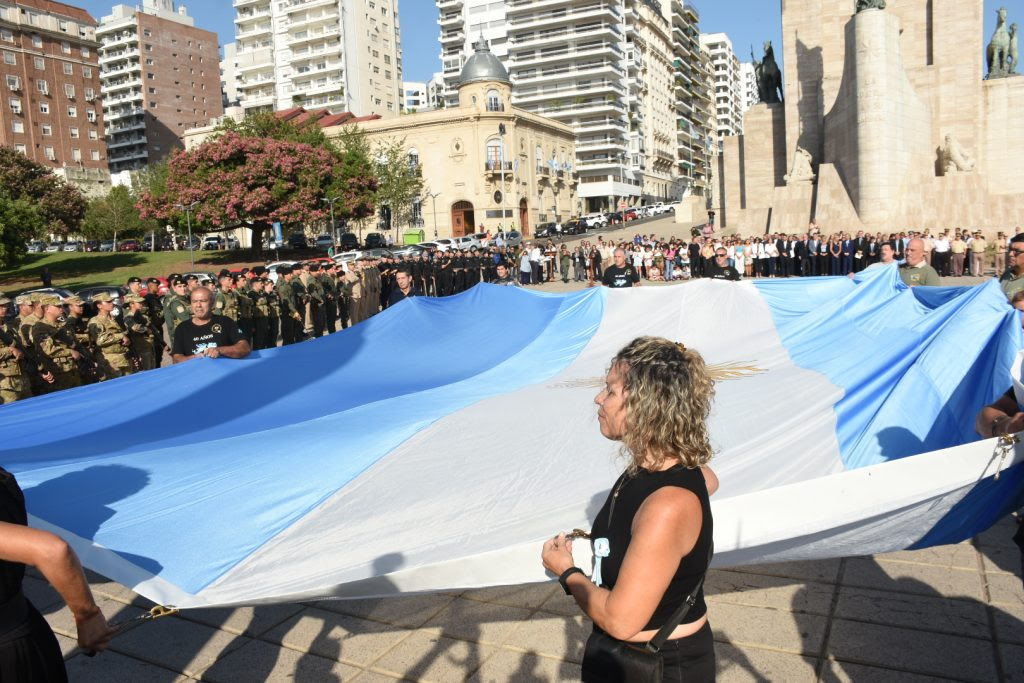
[(115, 216), (399, 181), (60, 204), (257, 172), (20, 221), (355, 181)]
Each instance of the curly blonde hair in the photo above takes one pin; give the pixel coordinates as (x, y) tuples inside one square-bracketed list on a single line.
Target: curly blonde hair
[(668, 398)]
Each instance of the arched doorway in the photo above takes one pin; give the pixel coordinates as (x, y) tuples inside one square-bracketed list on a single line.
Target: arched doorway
[(524, 217), (462, 219)]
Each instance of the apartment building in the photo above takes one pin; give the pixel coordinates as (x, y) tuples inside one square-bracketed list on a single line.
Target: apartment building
[(728, 83), (748, 86), (51, 83), (338, 54), (604, 67), (160, 75), (694, 112), (228, 76), (414, 96)]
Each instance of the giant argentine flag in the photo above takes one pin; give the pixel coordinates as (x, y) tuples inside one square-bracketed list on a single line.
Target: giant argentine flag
[(436, 445)]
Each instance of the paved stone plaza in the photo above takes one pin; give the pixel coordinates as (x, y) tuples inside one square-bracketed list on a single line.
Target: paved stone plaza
[(953, 612)]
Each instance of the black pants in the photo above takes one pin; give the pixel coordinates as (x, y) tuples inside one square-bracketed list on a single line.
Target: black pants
[(291, 330), (261, 333), (273, 328), (690, 659), (319, 320), (331, 315)]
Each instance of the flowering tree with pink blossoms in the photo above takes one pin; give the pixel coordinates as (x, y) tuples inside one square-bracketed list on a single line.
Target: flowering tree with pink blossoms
[(241, 180)]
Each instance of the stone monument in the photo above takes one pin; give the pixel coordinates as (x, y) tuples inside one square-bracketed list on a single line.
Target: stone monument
[(869, 98), (769, 78), (998, 51)]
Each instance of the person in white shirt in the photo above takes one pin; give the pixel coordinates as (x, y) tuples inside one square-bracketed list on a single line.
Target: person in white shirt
[(535, 263), (940, 254)]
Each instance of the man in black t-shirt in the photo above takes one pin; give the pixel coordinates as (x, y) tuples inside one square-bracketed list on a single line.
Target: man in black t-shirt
[(619, 274), (720, 269), (212, 336)]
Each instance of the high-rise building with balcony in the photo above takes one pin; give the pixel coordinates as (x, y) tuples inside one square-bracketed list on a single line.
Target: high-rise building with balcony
[(160, 75), (50, 80), (337, 54), (728, 83), (692, 98), (605, 67), (748, 86)]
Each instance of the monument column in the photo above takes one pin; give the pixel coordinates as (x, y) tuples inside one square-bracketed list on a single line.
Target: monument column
[(879, 129)]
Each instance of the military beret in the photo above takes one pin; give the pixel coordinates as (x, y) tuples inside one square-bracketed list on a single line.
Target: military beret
[(22, 300), (173, 276), (4, 301), (314, 267), (133, 299), (259, 271), (102, 297), (49, 300), (177, 281), (224, 272), (74, 300), (192, 276), (152, 281), (134, 279), (284, 270)]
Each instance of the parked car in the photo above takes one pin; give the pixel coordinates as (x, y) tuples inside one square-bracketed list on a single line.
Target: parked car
[(116, 293), (272, 268), (233, 242), (466, 242), (72, 246), (429, 246), (36, 247), (323, 242), (91, 245), (375, 240), (147, 244), (629, 215), (574, 227), (512, 238), (129, 245), (213, 243), (444, 244), (107, 245), (595, 220), (183, 243), (546, 230), (348, 241), (59, 292), (481, 238), (297, 240), (54, 247)]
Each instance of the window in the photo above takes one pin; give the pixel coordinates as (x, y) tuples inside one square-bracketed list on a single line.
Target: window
[(87, 71), (149, 48), (10, 58), (90, 114), (94, 155), (47, 129), (74, 131), (37, 40), (494, 102), (149, 61), (41, 86), (76, 154), (13, 83), (44, 107), (17, 126), (20, 147), (6, 36), (69, 90), (146, 32), (15, 105), (73, 112), (39, 62), (85, 52), (48, 151), (152, 91), (93, 135), (68, 69), (63, 25), (65, 47), (90, 94), (150, 75)]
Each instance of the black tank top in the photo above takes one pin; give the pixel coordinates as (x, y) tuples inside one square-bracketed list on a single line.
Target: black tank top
[(628, 494), (12, 510)]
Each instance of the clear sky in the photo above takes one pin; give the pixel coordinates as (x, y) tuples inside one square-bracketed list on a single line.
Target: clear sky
[(747, 22)]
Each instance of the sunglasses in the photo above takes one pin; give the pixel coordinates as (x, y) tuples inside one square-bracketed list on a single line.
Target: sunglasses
[(1017, 252)]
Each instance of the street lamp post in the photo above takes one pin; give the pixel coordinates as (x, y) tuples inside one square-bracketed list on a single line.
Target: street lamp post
[(433, 199), (501, 135), (188, 220), (334, 227)]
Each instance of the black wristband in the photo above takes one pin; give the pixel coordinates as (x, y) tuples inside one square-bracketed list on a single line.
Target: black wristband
[(564, 578)]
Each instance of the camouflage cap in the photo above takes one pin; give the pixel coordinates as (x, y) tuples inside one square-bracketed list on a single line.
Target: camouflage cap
[(134, 299), (22, 300), (35, 297), (102, 297), (4, 301), (49, 300), (74, 300)]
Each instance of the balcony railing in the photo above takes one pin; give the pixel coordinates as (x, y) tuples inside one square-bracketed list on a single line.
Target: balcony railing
[(497, 166)]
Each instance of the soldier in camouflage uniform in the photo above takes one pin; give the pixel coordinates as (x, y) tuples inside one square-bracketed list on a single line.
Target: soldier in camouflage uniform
[(55, 347), (29, 314), (291, 316), (177, 307), (76, 324), (261, 319), (317, 299), (225, 302), (329, 283), (140, 331), (302, 299), (274, 316), (14, 382), (109, 340), (155, 311)]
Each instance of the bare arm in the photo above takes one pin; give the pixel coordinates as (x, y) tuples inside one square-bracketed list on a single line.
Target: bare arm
[(1001, 417), (710, 479), (239, 349), (59, 564), (665, 530)]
